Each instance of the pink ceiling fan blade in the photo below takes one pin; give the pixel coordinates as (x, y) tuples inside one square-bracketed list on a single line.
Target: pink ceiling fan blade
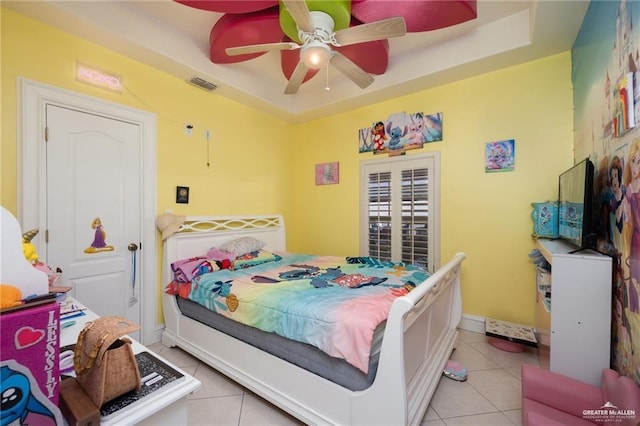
[(419, 15), (230, 6), (243, 30)]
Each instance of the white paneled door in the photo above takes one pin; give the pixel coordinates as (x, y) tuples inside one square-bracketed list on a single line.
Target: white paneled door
[(93, 208)]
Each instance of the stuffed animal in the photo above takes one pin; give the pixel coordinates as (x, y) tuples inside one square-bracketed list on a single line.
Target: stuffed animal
[(28, 248)]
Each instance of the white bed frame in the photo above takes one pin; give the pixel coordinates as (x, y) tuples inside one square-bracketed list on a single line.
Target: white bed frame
[(419, 336)]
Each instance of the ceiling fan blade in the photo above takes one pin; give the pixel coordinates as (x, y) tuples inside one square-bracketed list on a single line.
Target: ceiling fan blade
[(387, 28), (296, 79), (258, 48), (300, 14), (350, 69)]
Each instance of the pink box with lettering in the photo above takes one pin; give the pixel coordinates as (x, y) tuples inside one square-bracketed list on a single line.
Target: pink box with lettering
[(30, 363)]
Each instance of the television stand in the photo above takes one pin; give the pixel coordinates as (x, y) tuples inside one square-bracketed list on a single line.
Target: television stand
[(581, 292)]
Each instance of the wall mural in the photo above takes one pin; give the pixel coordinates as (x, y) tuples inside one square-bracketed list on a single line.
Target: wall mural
[(605, 75), (400, 132)]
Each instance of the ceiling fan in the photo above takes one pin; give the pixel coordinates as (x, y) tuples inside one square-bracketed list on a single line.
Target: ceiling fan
[(316, 32)]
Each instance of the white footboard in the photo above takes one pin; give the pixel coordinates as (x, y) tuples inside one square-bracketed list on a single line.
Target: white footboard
[(419, 336), (418, 340)]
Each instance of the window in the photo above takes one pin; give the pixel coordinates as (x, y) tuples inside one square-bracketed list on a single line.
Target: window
[(399, 209)]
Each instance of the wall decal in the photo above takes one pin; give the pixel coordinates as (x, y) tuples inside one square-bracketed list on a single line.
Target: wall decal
[(327, 173), (500, 156), (400, 132), (611, 33), (99, 238)]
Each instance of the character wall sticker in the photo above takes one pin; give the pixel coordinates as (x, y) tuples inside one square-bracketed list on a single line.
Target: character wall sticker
[(99, 238), (400, 132)]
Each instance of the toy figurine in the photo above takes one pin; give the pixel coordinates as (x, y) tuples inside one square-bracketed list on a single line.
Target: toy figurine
[(28, 248)]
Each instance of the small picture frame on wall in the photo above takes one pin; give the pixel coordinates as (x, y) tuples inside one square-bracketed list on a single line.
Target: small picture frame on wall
[(500, 156), (327, 173), (182, 194)]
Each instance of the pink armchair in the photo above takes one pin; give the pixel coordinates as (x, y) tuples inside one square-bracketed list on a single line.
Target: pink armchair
[(551, 399)]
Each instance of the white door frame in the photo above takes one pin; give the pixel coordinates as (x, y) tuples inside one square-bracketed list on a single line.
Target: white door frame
[(32, 98)]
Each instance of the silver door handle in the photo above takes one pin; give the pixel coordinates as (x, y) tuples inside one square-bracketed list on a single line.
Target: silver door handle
[(132, 247)]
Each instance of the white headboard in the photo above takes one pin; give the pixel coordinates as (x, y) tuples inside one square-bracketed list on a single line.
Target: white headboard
[(199, 233)]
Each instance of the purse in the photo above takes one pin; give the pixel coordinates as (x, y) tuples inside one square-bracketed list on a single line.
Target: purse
[(103, 360)]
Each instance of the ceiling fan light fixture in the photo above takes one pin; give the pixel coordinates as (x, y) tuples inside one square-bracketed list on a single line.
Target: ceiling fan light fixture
[(315, 54)]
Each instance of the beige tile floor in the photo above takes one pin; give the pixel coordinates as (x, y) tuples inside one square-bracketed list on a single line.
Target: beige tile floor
[(491, 395)]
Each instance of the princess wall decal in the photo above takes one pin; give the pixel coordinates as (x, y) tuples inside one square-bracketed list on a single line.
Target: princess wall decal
[(99, 238)]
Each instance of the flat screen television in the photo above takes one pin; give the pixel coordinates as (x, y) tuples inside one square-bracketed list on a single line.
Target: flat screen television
[(575, 205)]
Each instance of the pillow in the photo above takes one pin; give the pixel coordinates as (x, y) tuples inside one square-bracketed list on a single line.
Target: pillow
[(217, 254), (243, 245), (255, 258)]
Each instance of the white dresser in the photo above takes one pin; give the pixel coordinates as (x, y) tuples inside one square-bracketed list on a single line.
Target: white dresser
[(581, 294)]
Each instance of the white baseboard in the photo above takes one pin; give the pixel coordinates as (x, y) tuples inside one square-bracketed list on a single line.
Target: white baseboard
[(472, 323)]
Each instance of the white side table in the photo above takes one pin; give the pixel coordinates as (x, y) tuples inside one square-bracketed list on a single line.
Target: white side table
[(166, 406)]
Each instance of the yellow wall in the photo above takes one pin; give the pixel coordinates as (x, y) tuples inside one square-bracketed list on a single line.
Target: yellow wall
[(485, 215), (260, 164), (234, 184)]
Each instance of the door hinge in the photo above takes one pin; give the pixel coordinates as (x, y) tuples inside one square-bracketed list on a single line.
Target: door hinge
[(46, 236), (46, 134)]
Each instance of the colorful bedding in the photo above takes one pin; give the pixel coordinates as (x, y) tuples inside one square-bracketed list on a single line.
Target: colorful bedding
[(329, 302)]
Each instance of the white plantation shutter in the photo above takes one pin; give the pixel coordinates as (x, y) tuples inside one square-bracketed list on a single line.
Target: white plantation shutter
[(399, 209), (379, 206), (415, 216)]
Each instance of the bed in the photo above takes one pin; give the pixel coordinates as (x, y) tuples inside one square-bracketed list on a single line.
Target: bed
[(416, 339)]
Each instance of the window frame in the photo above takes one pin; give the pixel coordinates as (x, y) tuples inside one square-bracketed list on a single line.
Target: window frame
[(395, 165)]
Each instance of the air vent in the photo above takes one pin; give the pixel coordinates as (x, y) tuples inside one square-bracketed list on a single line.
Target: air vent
[(204, 84)]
